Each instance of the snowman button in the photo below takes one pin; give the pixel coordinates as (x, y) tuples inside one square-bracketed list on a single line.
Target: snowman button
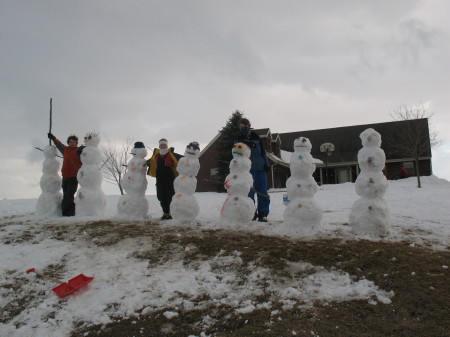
[(235, 176)]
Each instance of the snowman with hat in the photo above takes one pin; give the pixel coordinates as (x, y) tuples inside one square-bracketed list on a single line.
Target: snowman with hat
[(184, 205), (134, 182)]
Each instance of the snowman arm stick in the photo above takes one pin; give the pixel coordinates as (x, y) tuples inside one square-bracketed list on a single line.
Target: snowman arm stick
[(38, 148), (264, 195)]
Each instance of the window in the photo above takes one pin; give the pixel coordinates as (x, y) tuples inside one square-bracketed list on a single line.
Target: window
[(214, 174), (409, 166)]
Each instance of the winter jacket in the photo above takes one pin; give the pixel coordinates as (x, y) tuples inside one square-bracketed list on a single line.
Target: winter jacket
[(71, 161), (171, 162), (258, 154)]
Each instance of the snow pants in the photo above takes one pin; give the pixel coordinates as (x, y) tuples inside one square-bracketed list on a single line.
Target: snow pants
[(69, 187), (165, 192), (260, 186)]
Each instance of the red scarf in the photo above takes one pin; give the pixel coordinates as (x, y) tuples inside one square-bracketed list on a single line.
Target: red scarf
[(168, 159)]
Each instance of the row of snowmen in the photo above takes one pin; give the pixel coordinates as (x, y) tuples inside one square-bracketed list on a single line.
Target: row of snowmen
[(369, 214)]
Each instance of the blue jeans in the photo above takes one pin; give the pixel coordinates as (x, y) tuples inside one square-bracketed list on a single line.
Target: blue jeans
[(260, 185)]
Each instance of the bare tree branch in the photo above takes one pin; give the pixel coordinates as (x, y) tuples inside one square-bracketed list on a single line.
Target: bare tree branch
[(115, 164), (414, 140)]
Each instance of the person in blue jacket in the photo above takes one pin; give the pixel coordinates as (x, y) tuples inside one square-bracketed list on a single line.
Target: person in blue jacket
[(260, 166)]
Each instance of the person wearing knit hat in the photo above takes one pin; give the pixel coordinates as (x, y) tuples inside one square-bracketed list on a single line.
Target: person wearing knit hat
[(163, 166)]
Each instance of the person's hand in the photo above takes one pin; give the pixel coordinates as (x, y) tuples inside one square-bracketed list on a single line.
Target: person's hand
[(50, 136)]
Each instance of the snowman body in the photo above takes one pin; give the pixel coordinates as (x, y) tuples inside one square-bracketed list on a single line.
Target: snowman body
[(90, 199), (370, 214), (184, 206), (49, 202), (134, 182), (303, 214), (238, 207)]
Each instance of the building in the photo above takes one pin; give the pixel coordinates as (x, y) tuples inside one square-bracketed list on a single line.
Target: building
[(340, 163)]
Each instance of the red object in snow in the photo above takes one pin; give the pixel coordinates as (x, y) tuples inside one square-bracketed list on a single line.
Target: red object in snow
[(66, 288)]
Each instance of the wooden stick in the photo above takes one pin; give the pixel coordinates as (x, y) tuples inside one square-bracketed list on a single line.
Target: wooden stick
[(49, 278), (50, 127)]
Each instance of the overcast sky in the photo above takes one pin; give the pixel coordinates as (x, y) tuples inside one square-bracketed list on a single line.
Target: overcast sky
[(178, 69)]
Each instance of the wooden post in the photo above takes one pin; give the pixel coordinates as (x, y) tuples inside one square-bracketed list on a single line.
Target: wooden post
[(50, 127)]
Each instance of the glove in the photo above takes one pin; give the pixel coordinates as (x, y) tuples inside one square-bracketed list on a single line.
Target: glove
[(50, 136), (80, 149)]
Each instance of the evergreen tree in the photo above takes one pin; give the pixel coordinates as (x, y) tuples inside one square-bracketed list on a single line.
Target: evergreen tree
[(229, 133)]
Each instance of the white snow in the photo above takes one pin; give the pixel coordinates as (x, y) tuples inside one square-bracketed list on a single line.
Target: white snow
[(125, 285)]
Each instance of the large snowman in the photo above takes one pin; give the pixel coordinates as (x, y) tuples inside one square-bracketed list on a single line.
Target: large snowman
[(90, 199), (238, 207), (49, 202), (184, 206), (134, 182), (303, 214), (370, 213)]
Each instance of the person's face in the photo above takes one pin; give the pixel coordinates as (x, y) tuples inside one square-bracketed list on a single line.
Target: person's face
[(73, 143), (163, 146), (243, 126)]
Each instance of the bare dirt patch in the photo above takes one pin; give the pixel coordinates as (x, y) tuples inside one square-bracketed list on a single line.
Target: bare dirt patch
[(420, 306)]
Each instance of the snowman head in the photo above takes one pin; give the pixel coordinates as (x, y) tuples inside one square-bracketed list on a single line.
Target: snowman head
[(139, 150), (241, 150), (192, 150), (92, 139), (50, 151), (303, 145), (370, 138)]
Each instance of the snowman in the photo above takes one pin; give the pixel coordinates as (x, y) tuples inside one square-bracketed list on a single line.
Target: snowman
[(303, 214), (370, 213), (49, 202), (184, 205), (134, 182), (238, 207), (90, 199)]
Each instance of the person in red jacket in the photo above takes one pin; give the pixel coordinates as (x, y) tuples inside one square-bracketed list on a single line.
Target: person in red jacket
[(71, 165)]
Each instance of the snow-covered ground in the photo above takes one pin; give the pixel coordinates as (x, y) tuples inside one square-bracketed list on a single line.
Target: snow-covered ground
[(125, 285)]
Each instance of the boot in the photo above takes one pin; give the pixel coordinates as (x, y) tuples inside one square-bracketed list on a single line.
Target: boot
[(255, 216), (262, 216)]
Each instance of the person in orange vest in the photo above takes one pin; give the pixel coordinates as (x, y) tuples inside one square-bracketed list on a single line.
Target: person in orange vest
[(163, 166), (71, 165)]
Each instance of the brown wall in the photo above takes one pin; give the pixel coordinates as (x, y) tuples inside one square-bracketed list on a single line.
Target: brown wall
[(207, 162)]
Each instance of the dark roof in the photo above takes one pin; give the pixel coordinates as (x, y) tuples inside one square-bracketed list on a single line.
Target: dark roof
[(347, 142), (262, 132)]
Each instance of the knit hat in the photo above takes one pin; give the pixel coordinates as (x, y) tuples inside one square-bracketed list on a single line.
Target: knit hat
[(139, 145), (245, 121)]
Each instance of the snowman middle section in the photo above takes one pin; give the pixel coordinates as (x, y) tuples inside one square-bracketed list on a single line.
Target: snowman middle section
[(238, 207)]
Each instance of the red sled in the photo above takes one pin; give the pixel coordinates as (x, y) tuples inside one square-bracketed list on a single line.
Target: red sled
[(66, 288)]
